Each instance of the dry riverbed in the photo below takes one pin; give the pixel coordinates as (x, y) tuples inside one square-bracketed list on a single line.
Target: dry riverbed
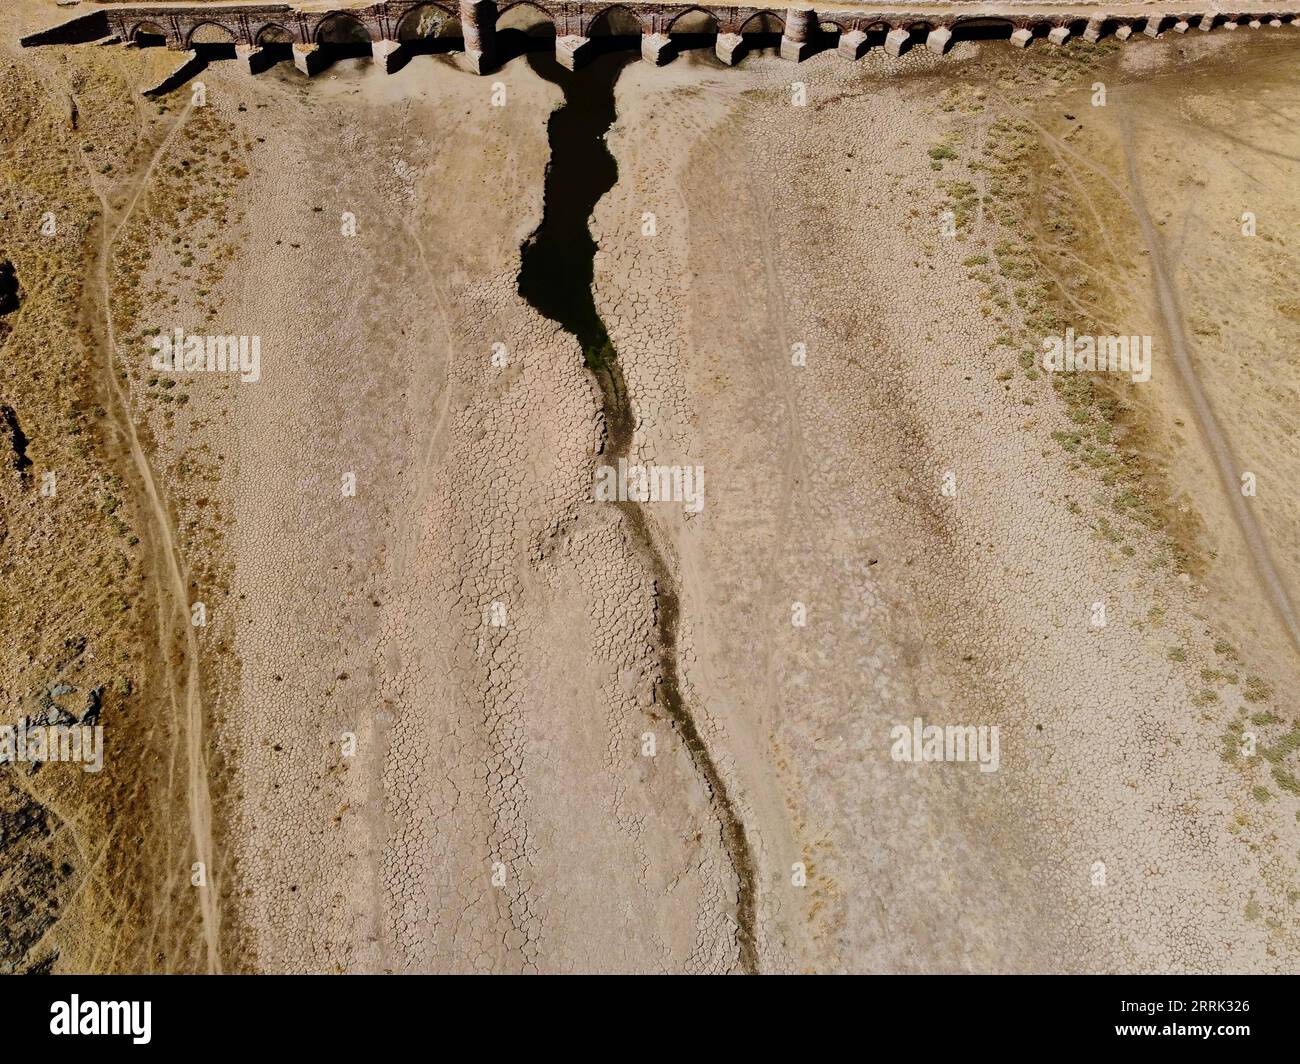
[(423, 726)]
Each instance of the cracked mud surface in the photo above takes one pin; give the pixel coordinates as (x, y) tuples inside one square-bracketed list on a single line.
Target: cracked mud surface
[(432, 659)]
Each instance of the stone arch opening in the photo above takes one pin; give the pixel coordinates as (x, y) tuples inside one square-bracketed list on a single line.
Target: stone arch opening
[(530, 18), (148, 35), (427, 29), (694, 28), (616, 21), (826, 33), (213, 40), (274, 34), (982, 29), (524, 27), (340, 35), (616, 28), (341, 30), (1110, 25), (762, 31), (876, 33), (916, 32), (694, 20), (276, 44)]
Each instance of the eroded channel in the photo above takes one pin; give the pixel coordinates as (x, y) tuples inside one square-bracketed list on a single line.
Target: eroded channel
[(555, 277)]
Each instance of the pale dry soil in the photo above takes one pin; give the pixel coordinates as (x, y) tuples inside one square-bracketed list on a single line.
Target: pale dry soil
[(1118, 833), (479, 627), (428, 669)]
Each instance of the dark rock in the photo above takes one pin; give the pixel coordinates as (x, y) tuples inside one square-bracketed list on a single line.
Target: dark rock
[(94, 702)]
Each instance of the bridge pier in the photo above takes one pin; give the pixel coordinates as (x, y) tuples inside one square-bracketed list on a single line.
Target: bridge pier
[(1058, 35), (1124, 32), (250, 55), (656, 48), (938, 40), (1092, 33), (1231, 24), (390, 55), (570, 50), (729, 48), (1181, 26), (800, 25), (895, 41), (1152, 27), (307, 58), (852, 44), (1206, 24), (478, 26), (1021, 37)]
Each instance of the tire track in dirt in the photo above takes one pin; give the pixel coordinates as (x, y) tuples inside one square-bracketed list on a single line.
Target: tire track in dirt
[(174, 625), (1211, 434), (1207, 425)]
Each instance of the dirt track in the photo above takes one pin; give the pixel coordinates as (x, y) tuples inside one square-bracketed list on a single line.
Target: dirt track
[(173, 615), (1275, 588)]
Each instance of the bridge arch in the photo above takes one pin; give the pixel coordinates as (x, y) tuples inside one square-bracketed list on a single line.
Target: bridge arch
[(273, 33), (525, 27), (978, 28), (211, 33), (696, 20), (424, 21), (146, 34), (342, 28), (525, 16), (617, 21), (833, 22), (763, 22)]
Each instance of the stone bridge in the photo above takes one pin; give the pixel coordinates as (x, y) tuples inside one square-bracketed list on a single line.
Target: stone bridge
[(393, 29)]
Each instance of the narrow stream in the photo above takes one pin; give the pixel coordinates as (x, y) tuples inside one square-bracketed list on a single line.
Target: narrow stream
[(555, 277)]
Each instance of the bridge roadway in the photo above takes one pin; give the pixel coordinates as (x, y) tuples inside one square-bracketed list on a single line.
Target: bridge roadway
[(394, 27)]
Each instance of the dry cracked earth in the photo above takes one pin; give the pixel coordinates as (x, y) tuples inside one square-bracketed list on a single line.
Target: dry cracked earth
[(386, 685)]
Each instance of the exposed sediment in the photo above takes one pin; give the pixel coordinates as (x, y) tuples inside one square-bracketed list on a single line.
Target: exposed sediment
[(556, 275), (827, 470), (496, 644)]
